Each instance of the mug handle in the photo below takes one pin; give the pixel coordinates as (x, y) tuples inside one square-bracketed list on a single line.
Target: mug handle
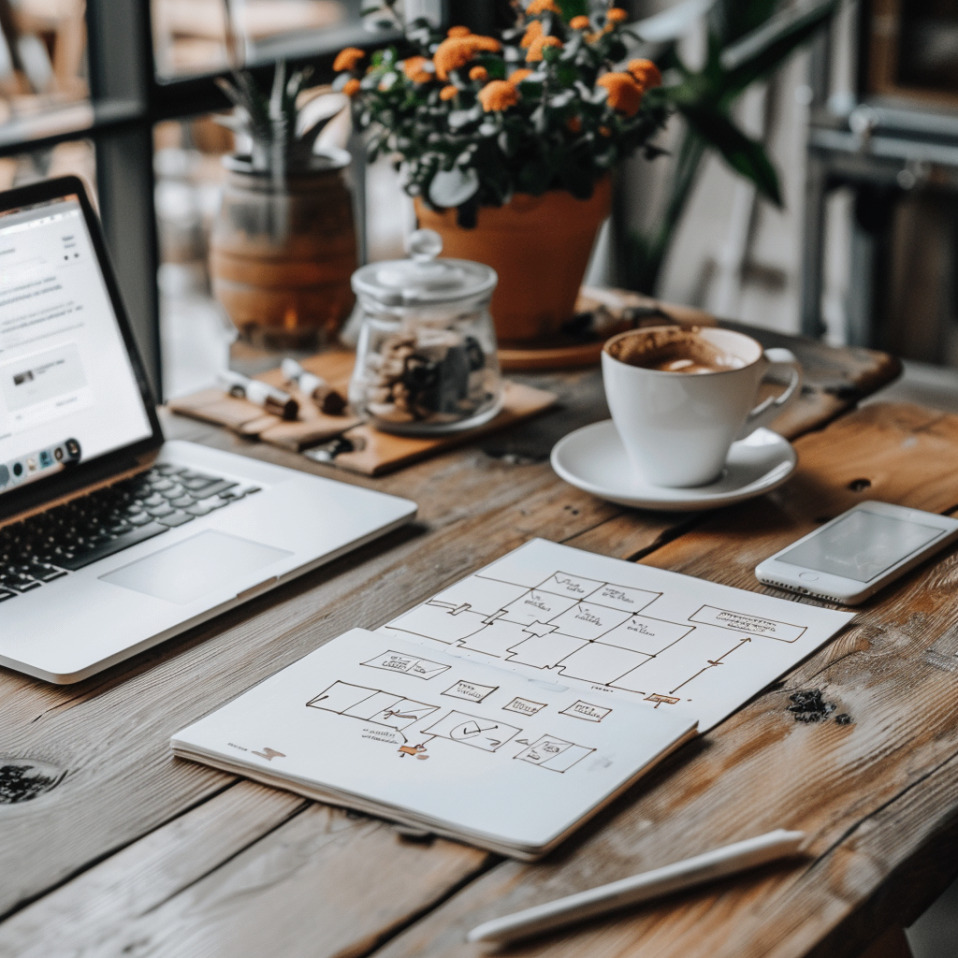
[(780, 361)]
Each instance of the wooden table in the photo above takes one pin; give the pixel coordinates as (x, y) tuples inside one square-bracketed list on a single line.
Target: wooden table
[(136, 853)]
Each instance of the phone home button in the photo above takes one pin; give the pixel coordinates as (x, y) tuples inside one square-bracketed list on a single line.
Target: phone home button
[(808, 576)]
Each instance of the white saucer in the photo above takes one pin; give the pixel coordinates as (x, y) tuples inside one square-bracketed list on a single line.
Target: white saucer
[(592, 459)]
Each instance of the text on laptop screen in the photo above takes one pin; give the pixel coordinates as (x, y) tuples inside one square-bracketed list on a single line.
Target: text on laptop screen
[(68, 392)]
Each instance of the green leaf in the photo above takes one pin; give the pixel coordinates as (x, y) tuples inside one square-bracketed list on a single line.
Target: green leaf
[(461, 118), (453, 187), (765, 49), (534, 177), (745, 155), (495, 66), (540, 121), (573, 8), (732, 21), (507, 144), (551, 54)]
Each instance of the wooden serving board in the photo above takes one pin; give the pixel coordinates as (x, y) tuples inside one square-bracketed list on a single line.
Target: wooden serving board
[(345, 440), (372, 452)]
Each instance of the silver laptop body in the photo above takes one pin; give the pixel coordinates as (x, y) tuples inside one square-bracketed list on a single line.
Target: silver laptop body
[(76, 415)]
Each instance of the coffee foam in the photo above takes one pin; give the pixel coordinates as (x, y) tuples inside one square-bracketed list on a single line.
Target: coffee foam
[(671, 350)]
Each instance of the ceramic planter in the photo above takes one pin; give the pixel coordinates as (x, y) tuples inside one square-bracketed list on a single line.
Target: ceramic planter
[(539, 246)]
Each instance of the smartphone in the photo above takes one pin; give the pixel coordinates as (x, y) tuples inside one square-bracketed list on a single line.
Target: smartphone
[(854, 555)]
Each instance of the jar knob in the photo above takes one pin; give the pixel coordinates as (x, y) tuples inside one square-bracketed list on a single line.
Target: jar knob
[(424, 245)]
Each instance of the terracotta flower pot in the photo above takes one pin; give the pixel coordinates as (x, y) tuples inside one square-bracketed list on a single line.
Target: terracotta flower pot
[(539, 246), (282, 253)]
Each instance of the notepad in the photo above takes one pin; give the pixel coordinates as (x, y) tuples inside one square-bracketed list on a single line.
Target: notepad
[(509, 708)]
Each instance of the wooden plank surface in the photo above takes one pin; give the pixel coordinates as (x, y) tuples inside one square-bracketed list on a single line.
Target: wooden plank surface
[(873, 794), (139, 853)]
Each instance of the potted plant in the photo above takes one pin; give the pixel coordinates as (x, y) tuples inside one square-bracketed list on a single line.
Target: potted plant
[(283, 246), (507, 143)]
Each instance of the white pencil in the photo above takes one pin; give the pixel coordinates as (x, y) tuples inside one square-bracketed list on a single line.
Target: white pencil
[(628, 891)]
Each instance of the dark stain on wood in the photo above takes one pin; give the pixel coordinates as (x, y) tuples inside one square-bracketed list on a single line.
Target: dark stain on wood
[(24, 779), (810, 706)]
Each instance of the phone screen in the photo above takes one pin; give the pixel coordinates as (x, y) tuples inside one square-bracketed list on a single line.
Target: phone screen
[(861, 545)]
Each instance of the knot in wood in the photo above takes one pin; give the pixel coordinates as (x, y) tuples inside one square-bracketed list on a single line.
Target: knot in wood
[(22, 779), (810, 706)]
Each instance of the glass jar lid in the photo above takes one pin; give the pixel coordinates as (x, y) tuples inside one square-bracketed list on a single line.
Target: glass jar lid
[(423, 280)]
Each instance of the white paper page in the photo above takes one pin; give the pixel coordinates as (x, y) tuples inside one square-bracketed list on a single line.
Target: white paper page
[(423, 736), (668, 641)]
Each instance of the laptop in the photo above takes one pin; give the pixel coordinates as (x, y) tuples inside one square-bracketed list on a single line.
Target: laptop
[(112, 539)]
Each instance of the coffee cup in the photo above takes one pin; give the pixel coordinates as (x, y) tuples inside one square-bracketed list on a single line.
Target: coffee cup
[(680, 397)]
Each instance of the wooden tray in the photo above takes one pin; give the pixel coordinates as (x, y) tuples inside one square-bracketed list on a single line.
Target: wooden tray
[(345, 441)]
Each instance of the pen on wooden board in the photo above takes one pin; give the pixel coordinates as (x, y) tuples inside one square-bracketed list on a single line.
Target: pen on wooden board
[(717, 863), (269, 397), (327, 399)]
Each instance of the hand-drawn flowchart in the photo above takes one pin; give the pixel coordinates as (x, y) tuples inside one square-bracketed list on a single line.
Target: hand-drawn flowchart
[(511, 706), (664, 640), (665, 649), (377, 706)]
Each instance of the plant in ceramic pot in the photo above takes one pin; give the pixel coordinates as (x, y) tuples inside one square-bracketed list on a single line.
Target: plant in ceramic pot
[(508, 142), (283, 246)]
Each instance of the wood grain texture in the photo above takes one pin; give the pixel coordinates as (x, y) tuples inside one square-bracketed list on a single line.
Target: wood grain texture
[(324, 883), (137, 853), (872, 794)]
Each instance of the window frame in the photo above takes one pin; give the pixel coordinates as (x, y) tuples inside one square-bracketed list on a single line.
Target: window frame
[(127, 101)]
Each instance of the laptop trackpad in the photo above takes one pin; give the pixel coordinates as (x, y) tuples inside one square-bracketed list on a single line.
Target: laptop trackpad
[(188, 570)]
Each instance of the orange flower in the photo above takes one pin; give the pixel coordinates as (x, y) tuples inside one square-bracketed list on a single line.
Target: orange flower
[(448, 92), (458, 32), (416, 70), (498, 95), (517, 76), (645, 73), (478, 73), (533, 31), (616, 15), (625, 95), (455, 52), (542, 6), (579, 23), (348, 59), (534, 54), (574, 124), (351, 86)]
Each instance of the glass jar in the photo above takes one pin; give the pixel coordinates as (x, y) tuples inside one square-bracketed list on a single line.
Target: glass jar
[(426, 358)]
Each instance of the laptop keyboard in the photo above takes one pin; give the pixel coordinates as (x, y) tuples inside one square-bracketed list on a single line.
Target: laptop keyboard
[(52, 544)]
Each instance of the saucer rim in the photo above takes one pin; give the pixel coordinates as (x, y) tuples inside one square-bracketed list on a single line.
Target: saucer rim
[(677, 500)]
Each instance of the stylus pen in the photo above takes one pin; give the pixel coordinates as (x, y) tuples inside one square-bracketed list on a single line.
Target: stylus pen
[(271, 399), (629, 891)]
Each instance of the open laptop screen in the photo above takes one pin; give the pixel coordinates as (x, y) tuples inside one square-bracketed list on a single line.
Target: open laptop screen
[(68, 390)]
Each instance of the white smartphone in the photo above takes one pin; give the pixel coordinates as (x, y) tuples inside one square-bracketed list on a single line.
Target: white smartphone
[(854, 555)]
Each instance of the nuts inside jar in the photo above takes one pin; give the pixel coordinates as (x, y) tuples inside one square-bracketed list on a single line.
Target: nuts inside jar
[(430, 376)]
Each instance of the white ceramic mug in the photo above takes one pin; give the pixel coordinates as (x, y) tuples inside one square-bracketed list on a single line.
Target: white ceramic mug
[(677, 427)]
